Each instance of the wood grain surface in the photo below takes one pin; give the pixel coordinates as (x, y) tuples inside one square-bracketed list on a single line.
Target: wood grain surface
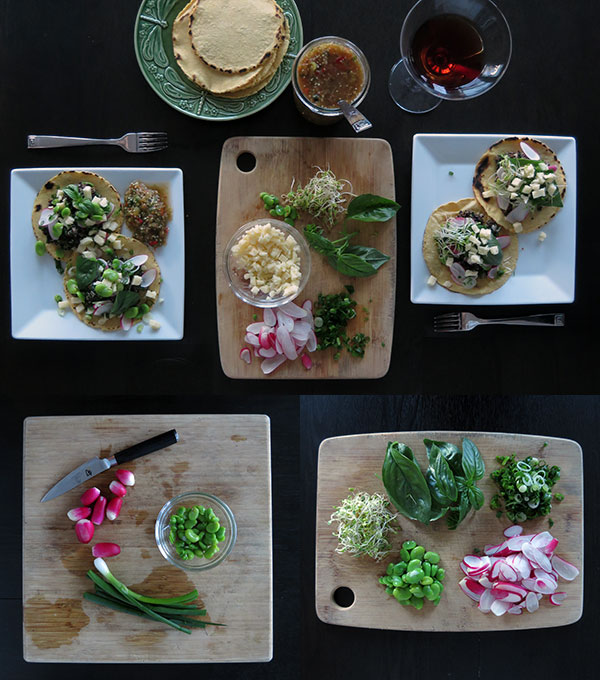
[(368, 164), (226, 455), (356, 461)]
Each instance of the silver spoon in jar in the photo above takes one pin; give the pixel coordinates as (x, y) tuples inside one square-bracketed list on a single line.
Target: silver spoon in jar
[(354, 116)]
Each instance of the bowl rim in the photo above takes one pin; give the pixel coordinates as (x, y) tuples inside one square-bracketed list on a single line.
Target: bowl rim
[(166, 510), (306, 269)]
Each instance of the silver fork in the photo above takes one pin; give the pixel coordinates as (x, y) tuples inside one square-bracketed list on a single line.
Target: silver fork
[(133, 142), (465, 321)]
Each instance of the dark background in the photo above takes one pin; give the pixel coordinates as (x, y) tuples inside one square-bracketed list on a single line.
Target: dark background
[(344, 653), (70, 68)]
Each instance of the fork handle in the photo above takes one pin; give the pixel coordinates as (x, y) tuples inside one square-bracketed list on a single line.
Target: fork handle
[(532, 320), (52, 141)]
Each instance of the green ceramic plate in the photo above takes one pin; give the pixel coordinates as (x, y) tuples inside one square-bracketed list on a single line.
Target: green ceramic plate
[(154, 52)]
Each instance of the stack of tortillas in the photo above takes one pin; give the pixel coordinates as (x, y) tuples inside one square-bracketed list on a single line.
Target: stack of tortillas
[(231, 48)]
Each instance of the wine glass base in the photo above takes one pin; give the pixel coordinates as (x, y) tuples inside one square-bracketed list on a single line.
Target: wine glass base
[(408, 94)]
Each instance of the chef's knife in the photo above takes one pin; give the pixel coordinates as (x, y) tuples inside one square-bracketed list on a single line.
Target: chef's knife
[(97, 465)]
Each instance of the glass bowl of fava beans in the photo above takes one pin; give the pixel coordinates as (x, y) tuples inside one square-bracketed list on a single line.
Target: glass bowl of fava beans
[(195, 531)]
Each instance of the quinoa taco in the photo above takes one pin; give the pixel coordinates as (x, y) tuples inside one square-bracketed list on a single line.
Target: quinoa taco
[(113, 292), (74, 205), (466, 251), (520, 183)]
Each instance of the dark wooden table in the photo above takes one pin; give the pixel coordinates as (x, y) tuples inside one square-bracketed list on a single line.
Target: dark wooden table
[(70, 68)]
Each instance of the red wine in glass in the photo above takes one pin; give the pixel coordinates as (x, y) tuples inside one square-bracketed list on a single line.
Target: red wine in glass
[(448, 51)]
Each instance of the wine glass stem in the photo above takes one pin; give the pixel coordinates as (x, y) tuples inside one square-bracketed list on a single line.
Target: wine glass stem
[(407, 93)]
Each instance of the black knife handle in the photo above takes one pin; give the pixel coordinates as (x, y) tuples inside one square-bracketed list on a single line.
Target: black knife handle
[(161, 441)]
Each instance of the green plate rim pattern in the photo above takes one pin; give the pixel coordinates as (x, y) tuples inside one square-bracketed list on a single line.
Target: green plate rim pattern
[(152, 42)]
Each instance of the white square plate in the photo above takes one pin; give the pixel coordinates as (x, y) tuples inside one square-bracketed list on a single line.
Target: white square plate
[(545, 272), (35, 281)]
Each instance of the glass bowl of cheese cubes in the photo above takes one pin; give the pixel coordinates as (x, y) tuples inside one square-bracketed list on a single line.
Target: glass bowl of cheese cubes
[(267, 263)]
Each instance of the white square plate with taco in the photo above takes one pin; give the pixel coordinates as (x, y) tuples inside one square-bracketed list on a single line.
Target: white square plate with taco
[(443, 167), (35, 281)]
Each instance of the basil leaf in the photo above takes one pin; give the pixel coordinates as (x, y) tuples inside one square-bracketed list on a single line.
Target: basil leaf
[(371, 208), (451, 453), (370, 255), (72, 192), (461, 482), (124, 300), (490, 258), (445, 479), (87, 271), (405, 484), (437, 511), (458, 513), (352, 265), (475, 495), (472, 462), (318, 242)]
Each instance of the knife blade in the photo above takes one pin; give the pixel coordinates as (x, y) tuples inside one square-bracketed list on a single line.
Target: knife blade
[(96, 465)]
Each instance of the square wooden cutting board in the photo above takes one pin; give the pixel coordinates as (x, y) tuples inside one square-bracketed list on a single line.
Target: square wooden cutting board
[(368, 165), (356, 461), (225, 455)]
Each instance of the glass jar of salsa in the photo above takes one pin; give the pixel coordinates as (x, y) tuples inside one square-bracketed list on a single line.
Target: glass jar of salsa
[(326, 70)]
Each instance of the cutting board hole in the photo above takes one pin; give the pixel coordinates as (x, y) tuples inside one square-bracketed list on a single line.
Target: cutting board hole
[(343, 597), (246, 162)]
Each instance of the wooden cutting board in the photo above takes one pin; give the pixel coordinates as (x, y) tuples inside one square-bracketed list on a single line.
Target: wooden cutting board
[(226, 455), (356, 461), (368, 164)]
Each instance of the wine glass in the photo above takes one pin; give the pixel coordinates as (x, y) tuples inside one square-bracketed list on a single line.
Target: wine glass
[(451, 49)]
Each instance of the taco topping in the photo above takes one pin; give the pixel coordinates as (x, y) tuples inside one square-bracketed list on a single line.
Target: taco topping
[(471, 247), (75, 212), (146, 214), (523, 183), (105, 290)]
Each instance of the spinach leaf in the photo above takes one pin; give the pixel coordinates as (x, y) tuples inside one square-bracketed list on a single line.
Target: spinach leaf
[(475, 495), (352, 265), (472, 462), (87, 271), (124, 300), (371, 208), (458, 513), (371, 255), (405, 484)]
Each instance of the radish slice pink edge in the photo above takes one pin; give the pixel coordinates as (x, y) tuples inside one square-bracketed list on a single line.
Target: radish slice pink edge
[(284, 333), (515, 575)]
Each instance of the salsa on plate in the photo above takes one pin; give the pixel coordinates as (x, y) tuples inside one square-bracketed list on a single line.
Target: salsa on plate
[(329, 72), (146, 214)]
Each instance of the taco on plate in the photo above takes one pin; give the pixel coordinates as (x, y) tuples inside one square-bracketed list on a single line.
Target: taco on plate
[(466, 251), (74, 205), (113, 293), (520, 183)]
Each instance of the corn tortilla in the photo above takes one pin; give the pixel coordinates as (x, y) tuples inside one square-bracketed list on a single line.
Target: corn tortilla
[(487, 166), (484, 286), (236, 36), (201, 74), (128, 244), (63, 179)]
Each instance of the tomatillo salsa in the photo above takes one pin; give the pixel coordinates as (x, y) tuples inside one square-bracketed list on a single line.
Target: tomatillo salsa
[(329, 72)]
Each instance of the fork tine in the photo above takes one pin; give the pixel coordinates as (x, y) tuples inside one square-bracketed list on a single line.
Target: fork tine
[(144, 149), (449, 315), (151, 135)]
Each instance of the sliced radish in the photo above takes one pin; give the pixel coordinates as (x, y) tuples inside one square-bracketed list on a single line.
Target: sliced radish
[(48, 218), (269, 365), (148, 278), (557, 598), (245, 355), (286, 321), (252, 340), (503, 241), (502, 202), (126, 323), (267, 353), (293, 310), (531, 602), (286, 343), (255, 328), (307, 306), (514, 530), (471, 588), (500, 607), (518, 214), (103, 308), (269, 317), (137, 260), (532, 154), (306, 362), (515, 610), (564, 569), (486, 600)]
